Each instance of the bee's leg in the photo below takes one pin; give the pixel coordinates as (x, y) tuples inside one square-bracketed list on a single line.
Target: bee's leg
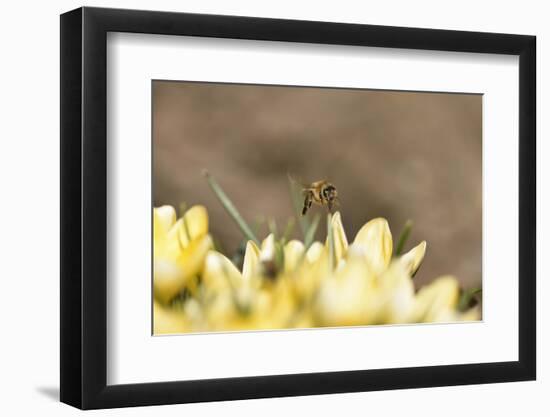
[(333, 204), (307, 203)]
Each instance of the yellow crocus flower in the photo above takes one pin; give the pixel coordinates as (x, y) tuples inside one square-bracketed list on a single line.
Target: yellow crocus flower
[(437, 301), (374, 240), (234, 301), (357, 284), (168, 320), (180, 248)]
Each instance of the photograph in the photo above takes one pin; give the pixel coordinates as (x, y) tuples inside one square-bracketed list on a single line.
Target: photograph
[(282, 207), (286, 204)]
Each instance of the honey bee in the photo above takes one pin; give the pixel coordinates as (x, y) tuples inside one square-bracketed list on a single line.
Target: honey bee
[(322, 193)]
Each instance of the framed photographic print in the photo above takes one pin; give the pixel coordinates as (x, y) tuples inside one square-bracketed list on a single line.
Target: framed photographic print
[(258, 207)]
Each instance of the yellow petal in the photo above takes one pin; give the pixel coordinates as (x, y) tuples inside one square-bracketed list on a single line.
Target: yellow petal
[(294, 250), (164, 245), (251, 260), (374, 239), (191, 260), (347, 299), (167, 320), (473, 314), (314, 252), (267, 251), (192, 225), (168, 246), (396, 295), (340, 239), (308, 275), (163, 219), (413, 258), (438, 300), (170, 277), (222, 311), (283, 307), (220, 274)]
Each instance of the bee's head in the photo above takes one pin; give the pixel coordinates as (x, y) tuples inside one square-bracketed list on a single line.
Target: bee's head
[(330, 193)]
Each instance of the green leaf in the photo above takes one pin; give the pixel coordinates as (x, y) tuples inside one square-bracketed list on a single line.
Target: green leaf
[(403, 237), (272, 225), (288, 229), (310, 232), (230, 208), (466, 298)]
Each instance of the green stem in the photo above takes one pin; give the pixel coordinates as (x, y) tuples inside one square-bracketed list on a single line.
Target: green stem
[(288, 229), (308, 240), (310, 233), (230, 208), (403, 237), (272, 225)]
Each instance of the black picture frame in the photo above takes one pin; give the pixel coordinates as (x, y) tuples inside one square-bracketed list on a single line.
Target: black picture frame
[(84, 207)]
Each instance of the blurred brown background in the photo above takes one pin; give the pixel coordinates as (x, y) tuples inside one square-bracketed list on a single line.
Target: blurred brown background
[(399, 155)]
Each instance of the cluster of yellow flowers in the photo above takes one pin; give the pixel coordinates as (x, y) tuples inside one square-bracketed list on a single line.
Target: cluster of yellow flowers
[(286, 285)]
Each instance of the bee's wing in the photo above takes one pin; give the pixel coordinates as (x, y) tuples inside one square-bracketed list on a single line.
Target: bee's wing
[(318, 184), (297, 182)]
